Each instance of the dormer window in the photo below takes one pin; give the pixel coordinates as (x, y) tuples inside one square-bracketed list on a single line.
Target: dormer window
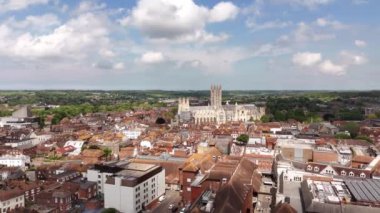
[(309, 168), (351, 174), (362, 175), (224, 180), (316, 169), (343, 173)]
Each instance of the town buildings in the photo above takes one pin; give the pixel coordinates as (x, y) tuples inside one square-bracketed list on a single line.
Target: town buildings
[(11, 200)]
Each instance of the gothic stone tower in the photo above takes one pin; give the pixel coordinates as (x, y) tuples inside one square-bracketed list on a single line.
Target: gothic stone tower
[(216, 96), (183, 105)]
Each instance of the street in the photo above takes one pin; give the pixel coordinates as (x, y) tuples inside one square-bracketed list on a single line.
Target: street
[(172, 197)]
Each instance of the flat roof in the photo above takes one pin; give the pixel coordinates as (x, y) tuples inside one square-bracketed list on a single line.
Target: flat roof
[(135, 173)]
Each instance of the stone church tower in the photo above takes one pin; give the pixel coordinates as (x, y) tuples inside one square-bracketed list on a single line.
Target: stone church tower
[(216, 96), (183, 105)]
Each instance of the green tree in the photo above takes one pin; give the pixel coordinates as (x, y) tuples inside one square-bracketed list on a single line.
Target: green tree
[(372, 116), (243, 138), (109, 210), (352, 128), (342, 136), (266, 118), (364, 137), (107, 152)]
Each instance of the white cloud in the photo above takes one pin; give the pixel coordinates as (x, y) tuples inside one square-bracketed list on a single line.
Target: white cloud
[(329, 67), (208, 60), (325, 22), (350, 58), (74, 39), (152, 57), (311, 4), (178, 21), (86, 6), (277, 24), (306, 58), (255, 8), (305, 32), (119, 66), (13, 5), (107, 53), (360, 43), (313, 61), (223, 11), (35, 22)]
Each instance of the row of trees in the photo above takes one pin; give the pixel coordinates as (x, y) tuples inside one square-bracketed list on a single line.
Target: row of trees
[(304, 109), (74, 110)]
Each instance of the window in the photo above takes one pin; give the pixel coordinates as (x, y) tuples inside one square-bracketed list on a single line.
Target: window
[(316, 169), (351, 174), (362, 175), (309, 167), (343, 173), (188, 180), (188, 189)]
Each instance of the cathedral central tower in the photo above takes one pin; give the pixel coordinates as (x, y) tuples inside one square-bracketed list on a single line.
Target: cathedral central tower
[(216, 96)]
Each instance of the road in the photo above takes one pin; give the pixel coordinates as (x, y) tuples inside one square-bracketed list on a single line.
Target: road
[(172, 197)]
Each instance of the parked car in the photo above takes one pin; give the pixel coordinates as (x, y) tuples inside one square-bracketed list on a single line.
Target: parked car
[(162, 198), (173, 208)]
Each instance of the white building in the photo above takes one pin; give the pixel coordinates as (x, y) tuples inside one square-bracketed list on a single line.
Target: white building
[(132, 133), (135, 187), (14, 160), (77, 145), (99, 174), (10, 200)]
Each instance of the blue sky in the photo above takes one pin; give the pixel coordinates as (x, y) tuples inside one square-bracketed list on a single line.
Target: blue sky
[(190, 44)]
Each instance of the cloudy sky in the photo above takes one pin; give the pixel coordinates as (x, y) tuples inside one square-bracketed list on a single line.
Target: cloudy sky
[(189, 44)]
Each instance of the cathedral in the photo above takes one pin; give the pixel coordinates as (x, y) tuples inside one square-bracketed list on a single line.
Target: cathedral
[(216, 112)]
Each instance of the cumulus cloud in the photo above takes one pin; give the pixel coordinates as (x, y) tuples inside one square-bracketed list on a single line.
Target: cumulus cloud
[(360, 43), (223, 11), (182, 21), (13, 5), (34, 22), (152, 57), (329, 67), (306, 58), (313, 61), (73, 39), (350, 58)]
